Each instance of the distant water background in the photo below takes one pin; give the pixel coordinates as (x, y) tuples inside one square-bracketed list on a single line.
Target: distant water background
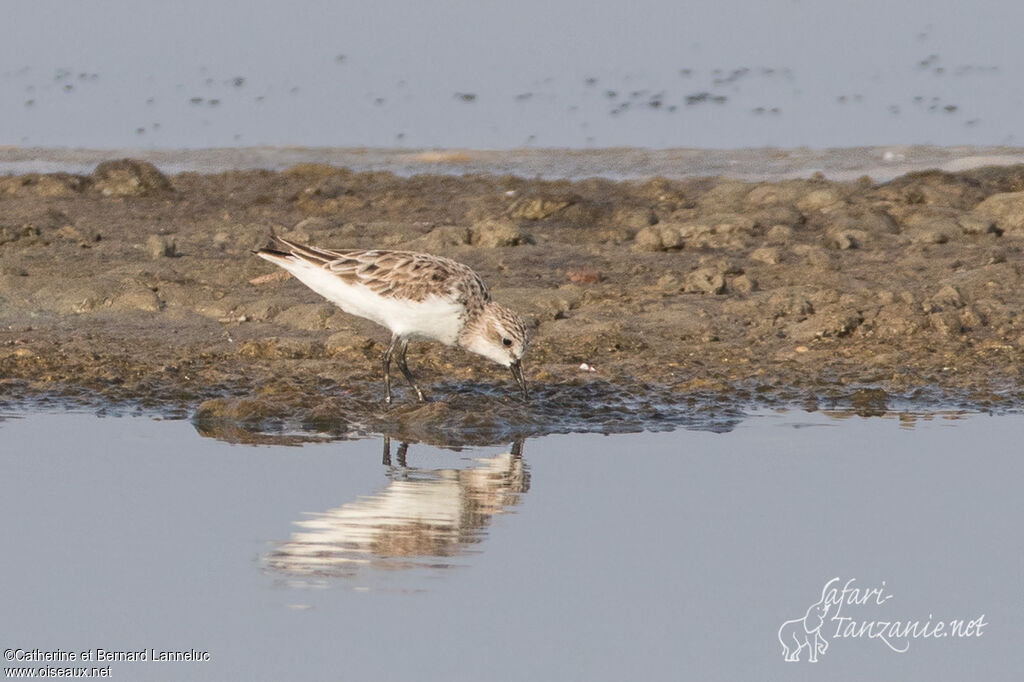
[(495, 75)]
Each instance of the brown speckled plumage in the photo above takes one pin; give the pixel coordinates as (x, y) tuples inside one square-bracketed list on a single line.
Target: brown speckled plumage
[(415, 295), (400, 274)]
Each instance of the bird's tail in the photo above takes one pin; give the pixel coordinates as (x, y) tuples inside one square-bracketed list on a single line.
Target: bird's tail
[(280, 249)]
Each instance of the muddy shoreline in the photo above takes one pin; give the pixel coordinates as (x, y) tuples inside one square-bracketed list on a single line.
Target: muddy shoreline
[(694, 299)]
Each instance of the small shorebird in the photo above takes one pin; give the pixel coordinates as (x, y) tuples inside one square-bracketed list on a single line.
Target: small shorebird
[(416, 295)]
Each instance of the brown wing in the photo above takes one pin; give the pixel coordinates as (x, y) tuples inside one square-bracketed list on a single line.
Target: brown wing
[(401, 274)]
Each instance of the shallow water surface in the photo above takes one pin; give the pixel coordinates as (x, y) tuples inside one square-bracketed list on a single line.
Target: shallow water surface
[(633, 556), (654, 73)]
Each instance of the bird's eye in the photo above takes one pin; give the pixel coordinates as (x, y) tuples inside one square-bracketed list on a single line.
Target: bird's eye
[(507, 342)]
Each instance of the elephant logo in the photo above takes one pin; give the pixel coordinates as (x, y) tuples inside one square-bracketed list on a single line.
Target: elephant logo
[(798, 633)]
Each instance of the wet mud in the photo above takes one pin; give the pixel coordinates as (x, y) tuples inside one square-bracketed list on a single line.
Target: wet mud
[(653, 304)]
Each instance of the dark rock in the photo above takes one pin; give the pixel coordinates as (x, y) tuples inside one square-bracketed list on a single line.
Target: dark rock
[(128, 177)]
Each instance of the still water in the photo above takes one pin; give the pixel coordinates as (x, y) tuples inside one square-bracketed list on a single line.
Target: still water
[(466, 73), (651, 556)]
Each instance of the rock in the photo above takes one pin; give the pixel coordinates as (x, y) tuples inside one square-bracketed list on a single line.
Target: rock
[(946, 323), (309, 316), (583, 214), (259, 310), (441, 238), (789, 304), (717, 231), (128, 177), (661, 237), (896, 321), (972, 318), (648, 239), (614, 235), (723, 265), (668, 284), (972, 223), (827, 324), (781, 214), (779, 234), (730, 223), (705, 281), (160, 246), (775, 193), (82, 236), (77, 299), (695, 235), (490, 234), (769, 255), (933, 188), (680, 216), (725, 197), (743, 284), (550, 304), (947, 297), (940, 221), (1005, 210), (996, 256), (346, 340), (872, 221), (814, 255), (671, 237), (819, 199), (634, 218), (137, 297), (845, 239)]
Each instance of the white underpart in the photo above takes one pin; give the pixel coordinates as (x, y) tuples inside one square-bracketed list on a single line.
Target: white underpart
[(436, 318)]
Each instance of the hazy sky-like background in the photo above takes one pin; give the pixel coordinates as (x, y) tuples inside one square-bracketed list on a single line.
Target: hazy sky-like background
[(650, 73)]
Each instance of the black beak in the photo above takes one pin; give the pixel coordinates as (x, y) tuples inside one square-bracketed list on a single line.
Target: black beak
[(517, 373)]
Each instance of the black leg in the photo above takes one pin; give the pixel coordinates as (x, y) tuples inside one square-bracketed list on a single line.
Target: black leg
[(402, 448), (386, 361), (387, 451), (405, 370)]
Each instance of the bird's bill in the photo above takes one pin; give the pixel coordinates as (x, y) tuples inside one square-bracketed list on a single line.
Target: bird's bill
[(517, 373)]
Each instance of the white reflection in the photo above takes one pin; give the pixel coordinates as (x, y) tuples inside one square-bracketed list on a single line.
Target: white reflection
[(422, 517)]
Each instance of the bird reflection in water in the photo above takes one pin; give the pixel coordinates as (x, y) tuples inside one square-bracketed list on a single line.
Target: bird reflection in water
[(422, 518)]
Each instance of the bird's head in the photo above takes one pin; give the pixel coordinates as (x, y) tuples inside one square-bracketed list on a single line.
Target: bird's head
[(500, 335)]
